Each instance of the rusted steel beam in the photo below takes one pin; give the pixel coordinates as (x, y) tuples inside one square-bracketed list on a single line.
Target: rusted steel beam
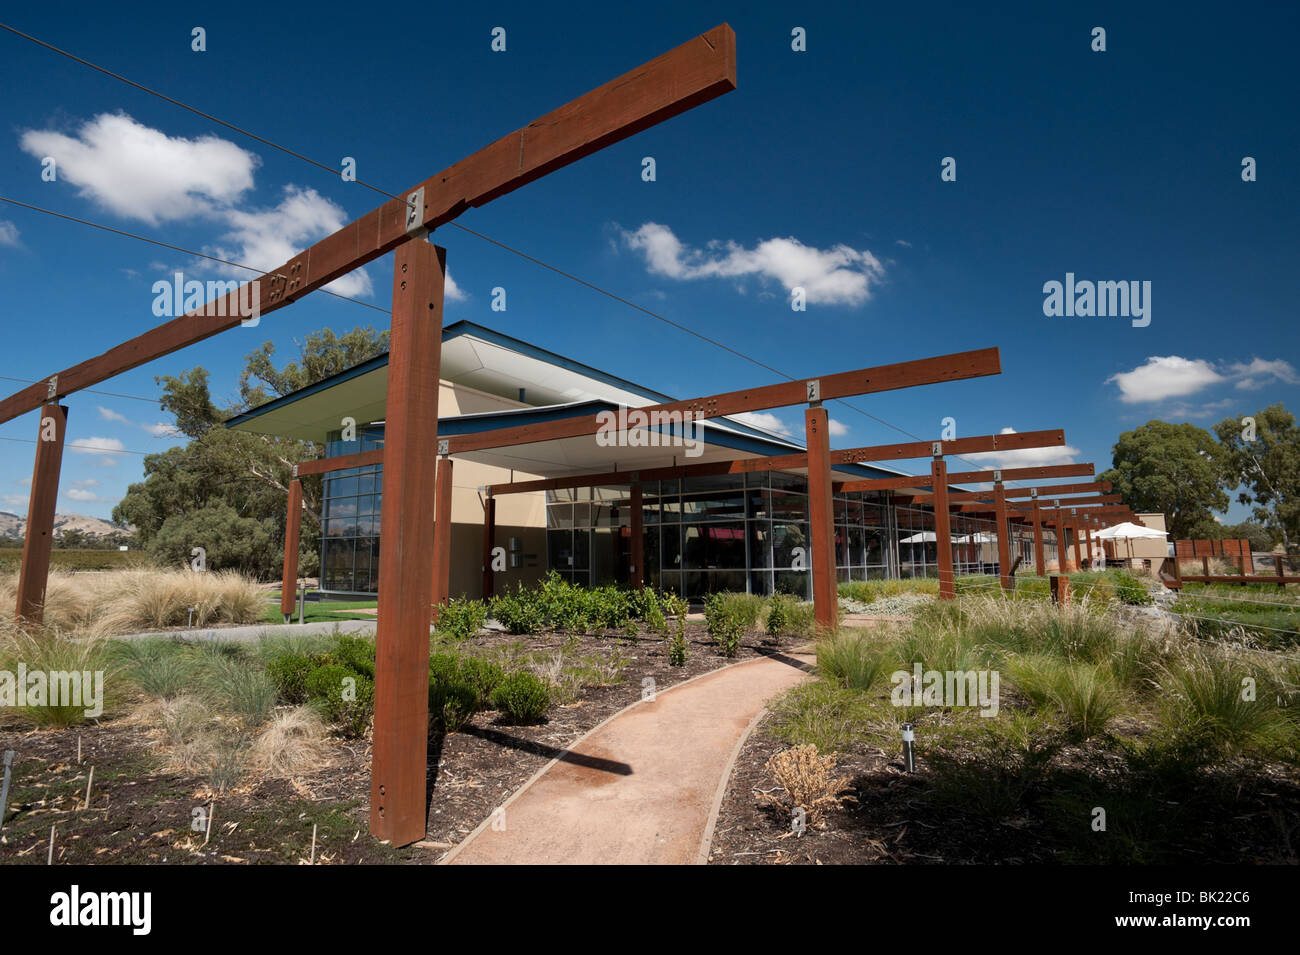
[(401, 734), (34, 573), (489, 542), (292, 527), (821, 518), (782, 462), (1046, 502), (684, 77), (442, 525), (962, 477), (340, 462), (943, 530), (907, 374), (1014, 494)]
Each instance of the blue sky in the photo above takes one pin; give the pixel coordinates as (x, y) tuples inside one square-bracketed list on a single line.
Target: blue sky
[(821, 170)]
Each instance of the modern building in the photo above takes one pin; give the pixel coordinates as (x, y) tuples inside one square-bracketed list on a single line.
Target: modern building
[(701, 534)]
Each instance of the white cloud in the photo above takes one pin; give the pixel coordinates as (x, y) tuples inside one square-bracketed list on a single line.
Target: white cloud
[(105, 447), (16, 501), (1025, 457), (76, 494), (161, 429), (839, 275), (109, 414), (451, 291), (142, 173), (1202, 411), (1165, 377), (764, 421), (838, 429), (86, 482), (8, 233), (1260, 372), (267, 238)]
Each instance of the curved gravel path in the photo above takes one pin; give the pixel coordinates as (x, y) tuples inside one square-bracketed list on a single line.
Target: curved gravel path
[(644, 786)]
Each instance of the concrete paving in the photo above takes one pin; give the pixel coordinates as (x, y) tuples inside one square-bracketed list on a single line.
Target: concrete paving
[(254, 632), (643, 787)]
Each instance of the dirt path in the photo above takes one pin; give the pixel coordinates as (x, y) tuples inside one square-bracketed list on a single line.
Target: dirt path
[(641, 788)]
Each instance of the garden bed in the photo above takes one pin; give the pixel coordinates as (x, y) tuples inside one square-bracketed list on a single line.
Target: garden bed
[(140, 812)]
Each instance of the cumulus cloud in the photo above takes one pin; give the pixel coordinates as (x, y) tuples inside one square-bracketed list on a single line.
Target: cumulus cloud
[(1260, 372), (1025, 457), (142, 173), (837, 428), (764, 421), (1165, 377), (839, 275), (77, 494), (267, 238), (108, 449), (1172, 376), (451, 291), (8, 233)]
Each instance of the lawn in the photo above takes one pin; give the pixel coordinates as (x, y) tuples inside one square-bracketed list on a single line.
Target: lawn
[(323, 610)]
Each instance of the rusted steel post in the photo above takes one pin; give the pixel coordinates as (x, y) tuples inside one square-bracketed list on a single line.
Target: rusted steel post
[(1074, 533), (401, 736), (636, 545), (442, 536), (1060, 584), (1040, 561), (489, 541), (1062, 560), (821, 519), (33, 575), (943, 529), (292, 529), (1004, 548)]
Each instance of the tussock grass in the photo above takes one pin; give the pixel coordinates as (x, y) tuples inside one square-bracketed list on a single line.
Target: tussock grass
[(292, 743), (852, 660), (49, 651), (126, 601)]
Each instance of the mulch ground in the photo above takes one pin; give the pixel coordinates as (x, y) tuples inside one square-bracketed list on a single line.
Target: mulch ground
[(141, 813), (1252, 819)]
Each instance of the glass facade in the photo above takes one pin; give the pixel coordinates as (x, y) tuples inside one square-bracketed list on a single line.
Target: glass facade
[(350, 518), (706, 534), (701, 534)]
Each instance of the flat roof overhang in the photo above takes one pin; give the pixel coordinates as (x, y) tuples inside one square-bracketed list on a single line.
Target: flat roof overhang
[(489, 361)]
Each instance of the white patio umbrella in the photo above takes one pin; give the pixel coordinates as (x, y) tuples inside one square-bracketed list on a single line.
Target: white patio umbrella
[(1128, 531), (925, 537)]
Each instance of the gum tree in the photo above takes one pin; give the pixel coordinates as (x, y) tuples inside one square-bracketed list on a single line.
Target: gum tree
[(1175, 469), (1262, 459)]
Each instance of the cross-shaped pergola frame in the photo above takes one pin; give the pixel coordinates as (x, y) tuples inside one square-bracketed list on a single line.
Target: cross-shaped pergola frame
[(415, 556)]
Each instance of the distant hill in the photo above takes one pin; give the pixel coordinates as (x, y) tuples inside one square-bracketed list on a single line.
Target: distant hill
[(14, 527)]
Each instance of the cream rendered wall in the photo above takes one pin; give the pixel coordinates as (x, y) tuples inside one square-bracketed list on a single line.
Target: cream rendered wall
[(518, 515)]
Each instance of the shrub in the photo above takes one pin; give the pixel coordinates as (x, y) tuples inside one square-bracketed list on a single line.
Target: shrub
[(521, 612), (355, 653), (346, 698), (1131, 591), (730, 616), (778, 613), (289, 673), (460, 619), (522, 698), (809, 782), (677, 650)]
